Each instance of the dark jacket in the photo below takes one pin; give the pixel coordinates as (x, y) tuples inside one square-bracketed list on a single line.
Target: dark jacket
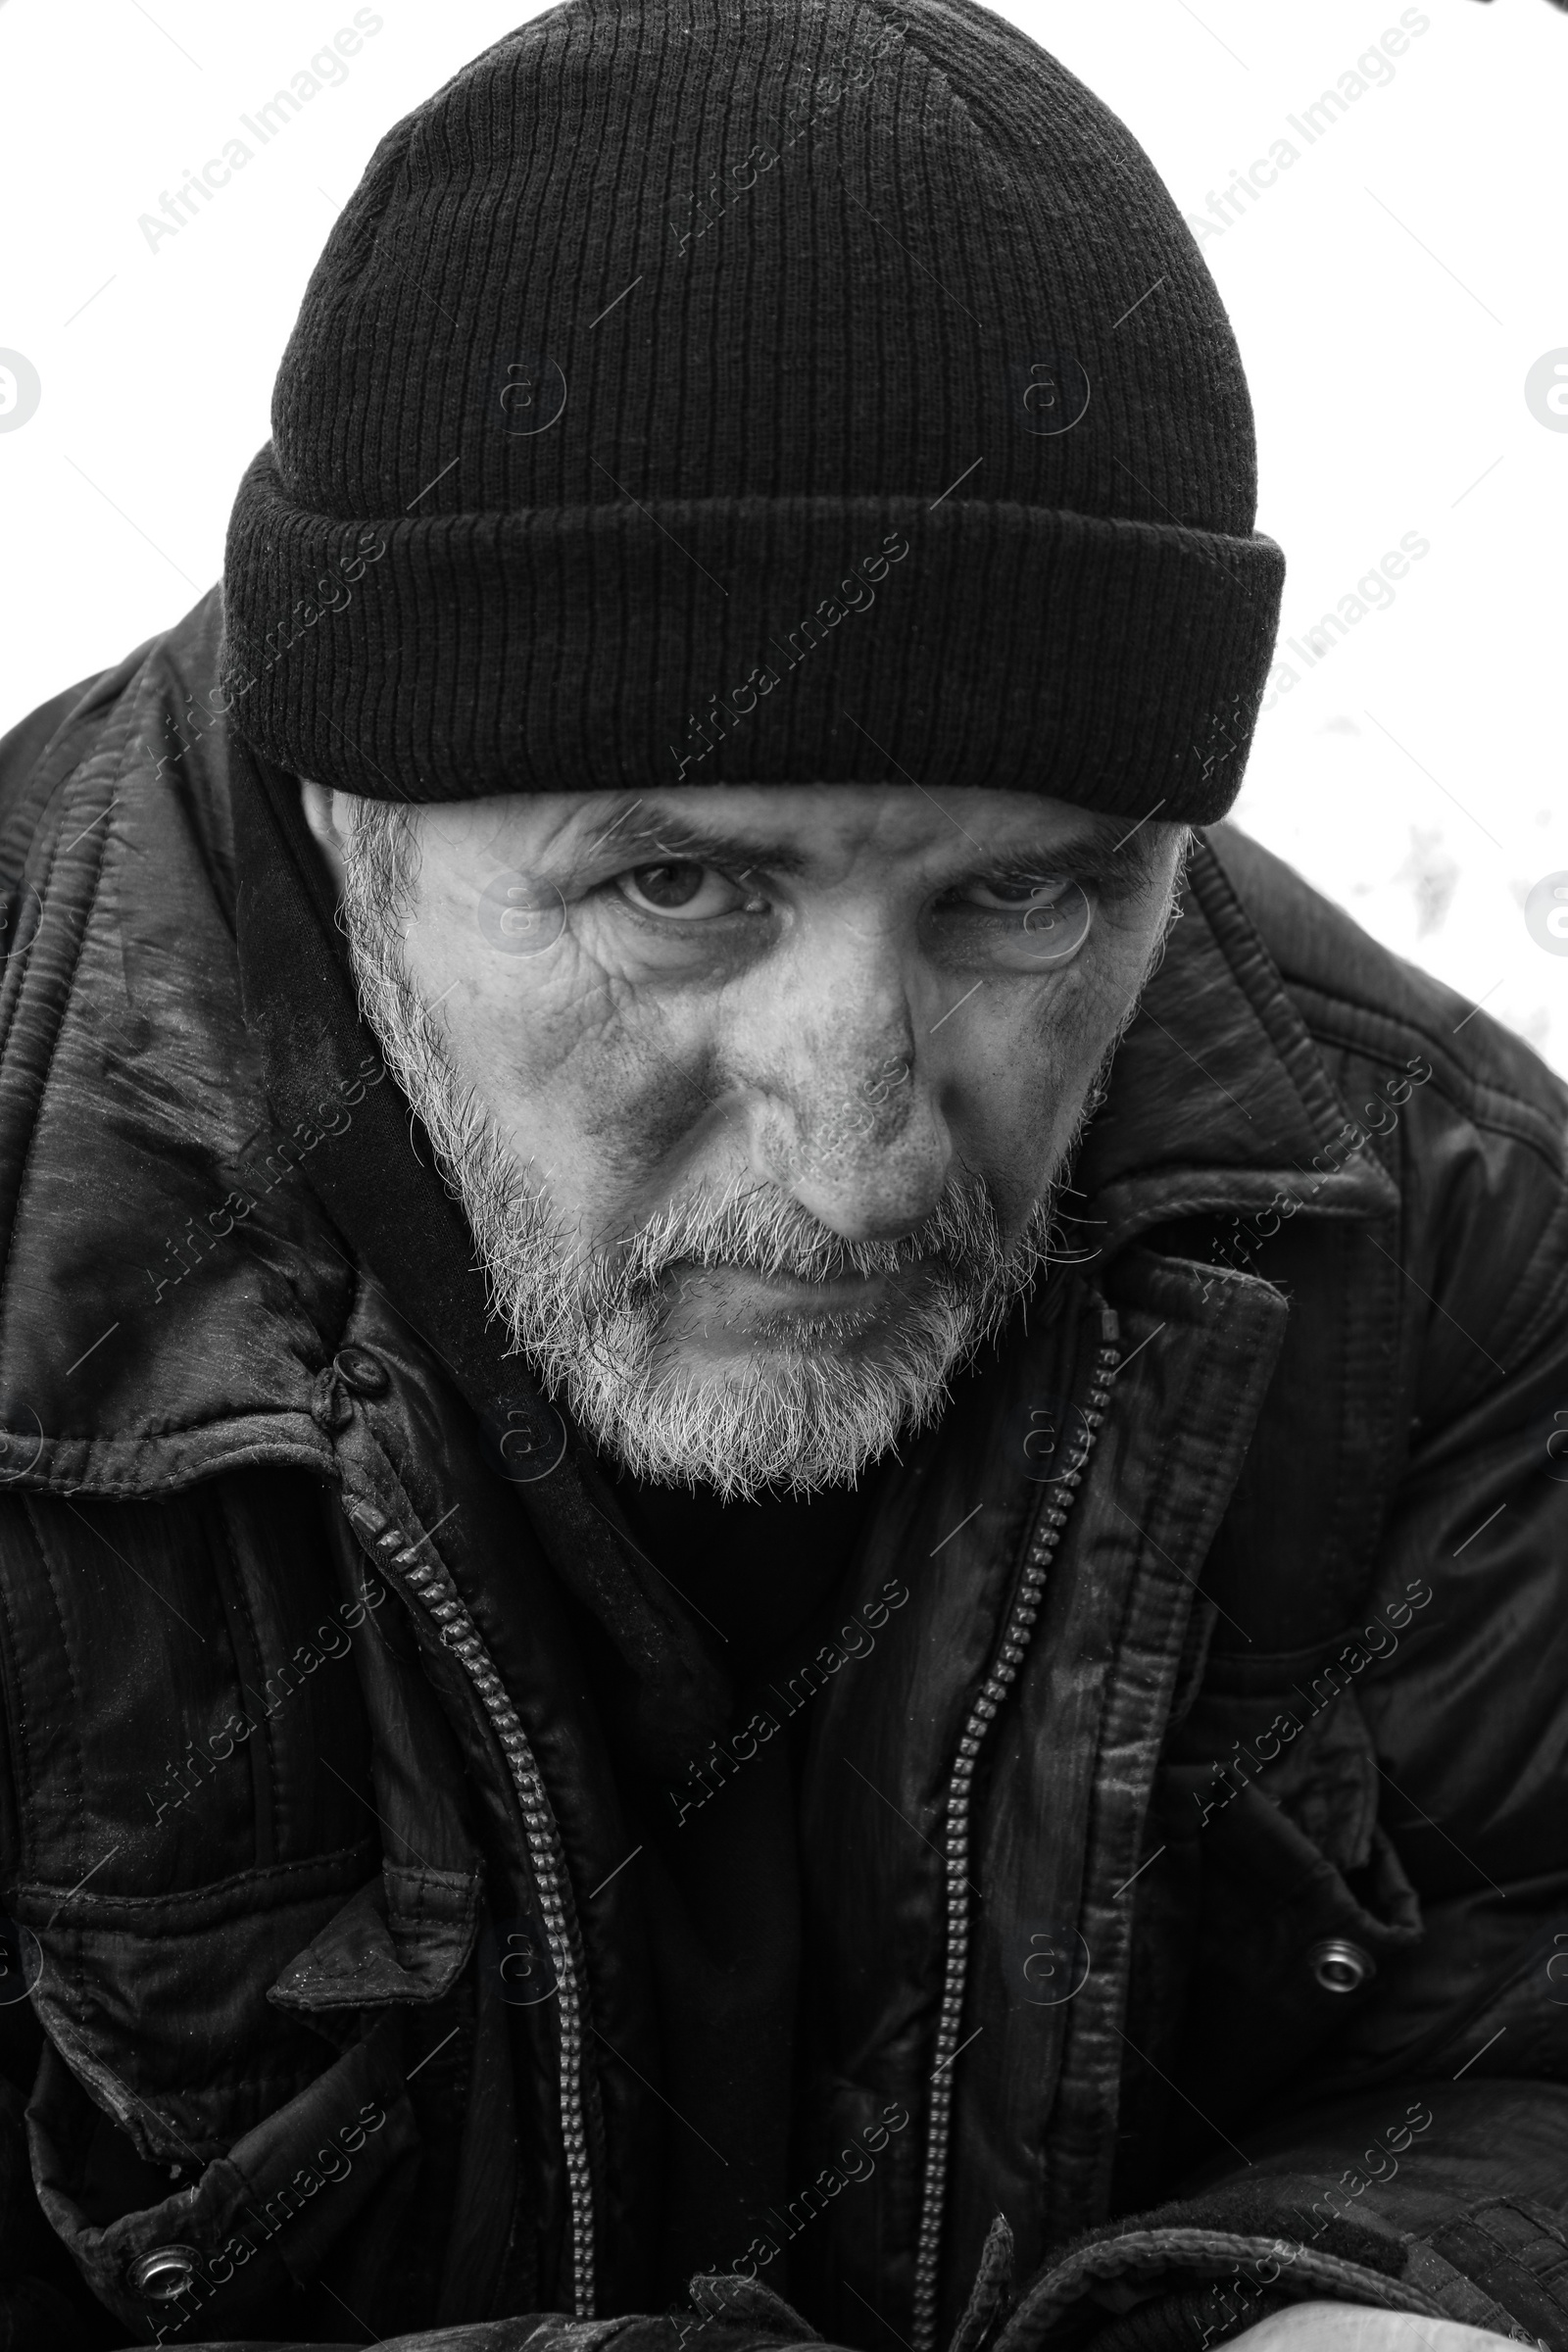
[(1194, 1829)]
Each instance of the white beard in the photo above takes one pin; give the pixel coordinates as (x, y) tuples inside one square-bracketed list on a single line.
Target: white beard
[(816, 1398)]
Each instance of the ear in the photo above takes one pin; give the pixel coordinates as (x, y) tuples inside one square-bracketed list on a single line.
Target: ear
[(320, 802)]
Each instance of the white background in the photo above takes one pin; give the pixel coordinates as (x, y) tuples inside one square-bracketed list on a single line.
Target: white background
[(1391, 293)]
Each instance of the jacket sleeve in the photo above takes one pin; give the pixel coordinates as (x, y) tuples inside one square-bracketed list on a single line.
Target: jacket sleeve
[(726, 2314), (1420, 2160), (40, 750)]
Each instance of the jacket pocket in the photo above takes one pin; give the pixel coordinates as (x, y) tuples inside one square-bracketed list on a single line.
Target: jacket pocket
[(158, 2004), (1302, 1901), (258, 2221)]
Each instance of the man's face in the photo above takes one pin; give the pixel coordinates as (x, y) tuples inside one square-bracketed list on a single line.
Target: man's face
[(754, 1097)]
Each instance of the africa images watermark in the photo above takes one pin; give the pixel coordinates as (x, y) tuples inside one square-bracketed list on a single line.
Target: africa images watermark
[(1351, 1140), (858, 595), (327, 69), (1255, 2276), (695, 210), (1547, 913), (1373, 70), (330, 595), (1545, 391), (21, 916), (856, 1639), (1331, 1681), (232, 1211), (331, 2164), (19, 1450), (183, 1779), (21, 390), (1373, 593), (853, 2164)]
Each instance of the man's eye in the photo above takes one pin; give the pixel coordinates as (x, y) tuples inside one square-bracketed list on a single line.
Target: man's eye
[(681, 888), (1033, 922), (667, 886), (1014, 893)]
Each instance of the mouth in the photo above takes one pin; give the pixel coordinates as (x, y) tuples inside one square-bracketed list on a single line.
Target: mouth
[(742, 1302), (806, 1289)]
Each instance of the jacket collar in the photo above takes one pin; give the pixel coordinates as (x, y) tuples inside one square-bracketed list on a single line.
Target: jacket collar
[(133, 1106), (1219, 1100)]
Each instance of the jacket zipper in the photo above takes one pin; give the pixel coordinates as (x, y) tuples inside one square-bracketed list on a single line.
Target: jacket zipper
[(437, 1594), (1003, 1672)]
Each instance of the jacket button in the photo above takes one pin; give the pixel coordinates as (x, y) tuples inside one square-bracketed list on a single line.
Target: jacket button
[(163, 2273), (1339, 1965), (361, 1371)]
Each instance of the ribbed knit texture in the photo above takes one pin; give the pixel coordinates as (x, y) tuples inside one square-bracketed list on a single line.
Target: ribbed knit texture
[(661, 339)]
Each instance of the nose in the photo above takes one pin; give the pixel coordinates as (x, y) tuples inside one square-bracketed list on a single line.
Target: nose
[(847, 1119)]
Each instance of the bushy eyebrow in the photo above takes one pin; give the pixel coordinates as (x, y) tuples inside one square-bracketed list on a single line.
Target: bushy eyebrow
[(1132, 855), (641, 834), (652, 836)]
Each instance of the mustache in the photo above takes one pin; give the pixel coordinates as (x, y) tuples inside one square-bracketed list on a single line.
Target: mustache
[(765, 1232)]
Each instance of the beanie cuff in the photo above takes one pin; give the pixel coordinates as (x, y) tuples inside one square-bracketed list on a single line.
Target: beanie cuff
[(959, 642)]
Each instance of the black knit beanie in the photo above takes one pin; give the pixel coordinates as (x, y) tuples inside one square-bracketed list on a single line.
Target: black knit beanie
[(809, 391)]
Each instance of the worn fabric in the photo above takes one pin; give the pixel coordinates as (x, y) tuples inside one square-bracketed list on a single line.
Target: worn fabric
[(1183, 1838), (818, 389)]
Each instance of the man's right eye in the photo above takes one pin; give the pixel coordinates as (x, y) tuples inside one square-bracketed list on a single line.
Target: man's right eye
[(667, 886), (689, 892)]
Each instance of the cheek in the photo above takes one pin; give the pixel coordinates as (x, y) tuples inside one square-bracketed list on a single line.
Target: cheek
[(1019, 1086), (1012, 1095), (514, 1029), (539, 1037), (1084, 1022), (594, 1090), (648, 1105)]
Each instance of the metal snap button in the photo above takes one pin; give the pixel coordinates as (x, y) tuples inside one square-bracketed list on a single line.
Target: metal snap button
[(361, 1371), (1339, 1965), (163, 2273)]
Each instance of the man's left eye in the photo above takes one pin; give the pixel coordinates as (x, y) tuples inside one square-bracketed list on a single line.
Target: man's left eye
[(679, 888), (1014, 894)]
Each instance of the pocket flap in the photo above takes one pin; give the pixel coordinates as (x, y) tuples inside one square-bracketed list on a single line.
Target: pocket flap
[(405, 1936), (259, 2221)]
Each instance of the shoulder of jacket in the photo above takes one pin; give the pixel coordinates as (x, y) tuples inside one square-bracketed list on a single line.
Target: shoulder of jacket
[(1359, 998), (43, 750)]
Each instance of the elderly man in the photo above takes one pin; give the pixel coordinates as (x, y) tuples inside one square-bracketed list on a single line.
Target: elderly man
[(766, 1565)]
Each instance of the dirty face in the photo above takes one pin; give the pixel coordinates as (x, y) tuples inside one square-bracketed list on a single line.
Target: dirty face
[(755, 1097)]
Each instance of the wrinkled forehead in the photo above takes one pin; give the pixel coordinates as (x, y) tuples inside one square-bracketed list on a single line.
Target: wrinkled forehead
[(797, 829)]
